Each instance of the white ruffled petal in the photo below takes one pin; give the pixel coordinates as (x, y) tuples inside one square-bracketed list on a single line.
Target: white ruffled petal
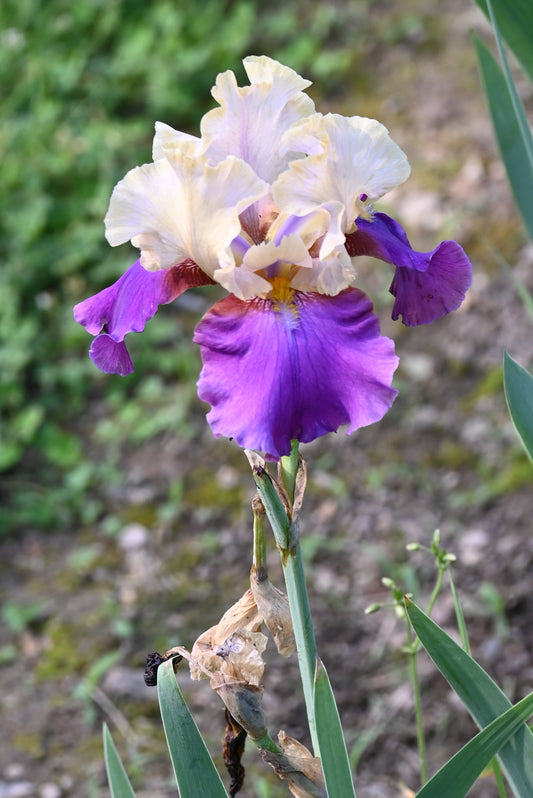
[(242, 283), (166, 138), (359, 158), (243, 280), (252, 119), (329, 275), (181, 207)]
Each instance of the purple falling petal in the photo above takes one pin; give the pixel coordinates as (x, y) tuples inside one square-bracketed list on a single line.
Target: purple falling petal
[(272, 375), (127, 305), (110, 356), (426, 285)]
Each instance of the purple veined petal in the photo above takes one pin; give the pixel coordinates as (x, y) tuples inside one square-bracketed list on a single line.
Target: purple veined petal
[(110, 356), (427, 285), (273, 373), (127, 305)]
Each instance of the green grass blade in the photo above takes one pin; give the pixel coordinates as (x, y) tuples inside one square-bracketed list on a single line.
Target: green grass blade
[(119, 784), (481, 696), (510, 132), (518, 385), (332, 748), (456, 777), (515, 20), (193, 767), (519, 111)]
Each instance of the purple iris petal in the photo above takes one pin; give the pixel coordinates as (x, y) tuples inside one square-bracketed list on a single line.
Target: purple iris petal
[(273, 373), (127, 305), (110, 356), (427, 285)]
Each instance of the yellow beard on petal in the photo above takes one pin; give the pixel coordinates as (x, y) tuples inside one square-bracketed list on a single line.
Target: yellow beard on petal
[(282, 296)]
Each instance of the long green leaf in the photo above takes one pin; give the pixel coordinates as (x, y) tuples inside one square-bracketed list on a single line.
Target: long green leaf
[(481, 696), (456, 777), (194, 769), (119, 784), (509, 134), (332, 748), (518, 384), (515, 20)]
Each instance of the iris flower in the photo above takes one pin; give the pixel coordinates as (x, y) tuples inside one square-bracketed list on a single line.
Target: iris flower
[(273, 201)]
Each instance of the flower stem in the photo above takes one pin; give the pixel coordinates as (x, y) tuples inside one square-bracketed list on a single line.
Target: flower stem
[(418, 706), (293, 570), (259, 562), (291, 559), (303, 632), (288, 468)]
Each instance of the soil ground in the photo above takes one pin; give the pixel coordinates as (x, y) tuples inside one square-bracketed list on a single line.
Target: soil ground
[(444, 457)]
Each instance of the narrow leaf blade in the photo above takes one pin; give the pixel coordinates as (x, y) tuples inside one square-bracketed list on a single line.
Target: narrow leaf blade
[(515, 21), (332, 748), (119, 784), (456, 777), (513, 149), (193, 767), (481, 696), (518, 385)]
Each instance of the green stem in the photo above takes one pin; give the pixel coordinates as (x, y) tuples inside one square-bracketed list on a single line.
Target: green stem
[(293, 570), (288, 466), (431, 603), (259, 562), (303, 632), (418, 706), (436, 590), (266, 743), (502, 792)]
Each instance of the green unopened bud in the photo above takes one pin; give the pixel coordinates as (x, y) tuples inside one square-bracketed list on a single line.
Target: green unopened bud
[(388, 582), (373, 608), (413, 547)]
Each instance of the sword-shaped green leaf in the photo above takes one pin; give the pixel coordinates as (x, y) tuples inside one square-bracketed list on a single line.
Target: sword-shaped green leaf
[(194, 769), (480, 695), (512, 133), (332, 747), (515, 20), (119, 784), (518, 384), (456, 777)]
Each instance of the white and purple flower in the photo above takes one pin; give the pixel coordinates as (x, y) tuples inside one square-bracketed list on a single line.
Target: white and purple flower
[(272, 202)]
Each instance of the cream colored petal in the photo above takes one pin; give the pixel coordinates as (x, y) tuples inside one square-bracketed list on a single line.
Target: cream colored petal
[(360, 158), (168, 138), (308, 136), (309, 228), (244, 283), (181, 207), (252, 119), (241, 282), (291, 249), (329, 276)]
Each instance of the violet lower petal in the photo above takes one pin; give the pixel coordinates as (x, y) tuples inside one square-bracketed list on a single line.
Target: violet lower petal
[(272, 374), (426, 285), (110, 356), (128, 304)]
